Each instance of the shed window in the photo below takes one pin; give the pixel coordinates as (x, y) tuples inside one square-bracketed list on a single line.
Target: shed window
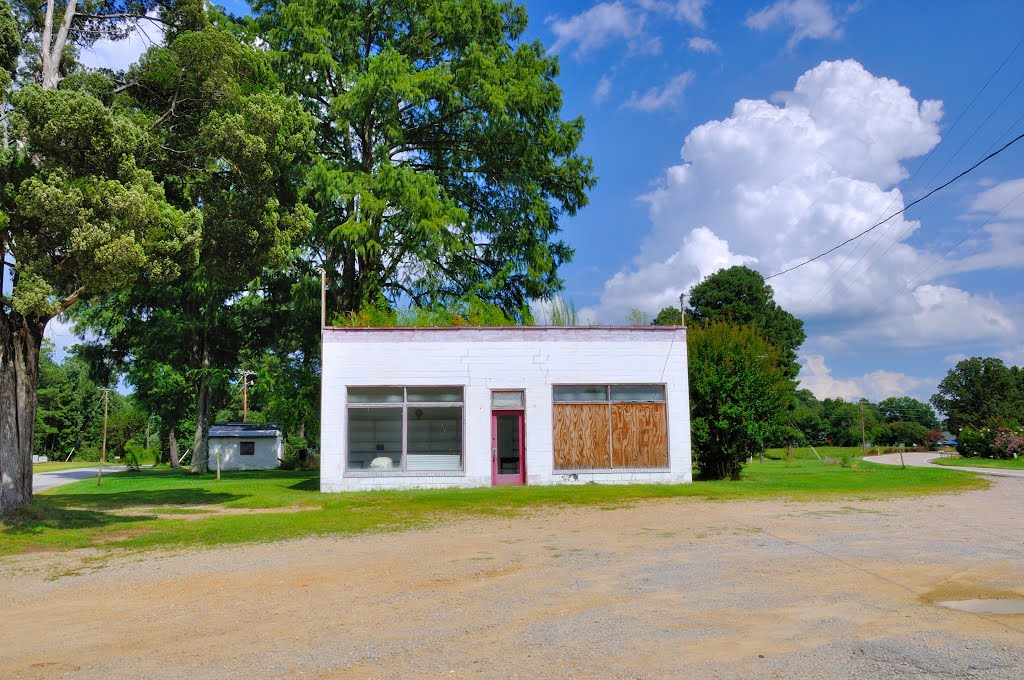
[(610, 426), (247, 448), (398, 429)]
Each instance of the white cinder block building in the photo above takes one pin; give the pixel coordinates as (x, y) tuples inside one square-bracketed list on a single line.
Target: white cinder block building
[(245, 446), (465, 406)]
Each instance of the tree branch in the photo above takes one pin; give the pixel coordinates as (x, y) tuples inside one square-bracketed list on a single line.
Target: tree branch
[(66, 303), (126, 15), (166, 115)]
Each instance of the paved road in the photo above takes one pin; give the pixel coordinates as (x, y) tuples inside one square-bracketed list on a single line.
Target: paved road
[(48, 480), (922, 460)]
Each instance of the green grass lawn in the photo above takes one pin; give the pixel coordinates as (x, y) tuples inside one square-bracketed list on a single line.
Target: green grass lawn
[(955, 461), (806, 453), (57, 466), (160, 507)]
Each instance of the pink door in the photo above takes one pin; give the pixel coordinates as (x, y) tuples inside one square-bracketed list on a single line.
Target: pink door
[(508, 450)]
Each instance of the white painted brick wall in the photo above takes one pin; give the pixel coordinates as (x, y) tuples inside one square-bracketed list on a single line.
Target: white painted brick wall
[(485, 359)]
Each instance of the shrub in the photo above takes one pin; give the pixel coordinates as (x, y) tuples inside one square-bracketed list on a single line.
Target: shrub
[(88, 453), (1008, 442), (298, 456), (973, 442), (997, 439), (134, 455)]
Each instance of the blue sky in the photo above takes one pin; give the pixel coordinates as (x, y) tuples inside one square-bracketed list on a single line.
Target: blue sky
[(766, 132)]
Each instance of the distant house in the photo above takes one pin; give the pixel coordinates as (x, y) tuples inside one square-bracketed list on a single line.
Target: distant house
[(245, 446), (465, 406)]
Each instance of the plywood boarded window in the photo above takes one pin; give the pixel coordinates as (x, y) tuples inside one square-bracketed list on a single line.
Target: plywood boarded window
[(609, 427)]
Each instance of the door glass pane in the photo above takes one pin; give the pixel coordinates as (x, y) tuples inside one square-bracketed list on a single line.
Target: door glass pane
[(509, 400), (434, 438), (374, 438), (509, 446), (436, 394), (375, 395), (581, 393), (638, 393)]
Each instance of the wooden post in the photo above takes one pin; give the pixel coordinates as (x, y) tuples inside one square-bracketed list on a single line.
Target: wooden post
[(103, 450), (218, 463)]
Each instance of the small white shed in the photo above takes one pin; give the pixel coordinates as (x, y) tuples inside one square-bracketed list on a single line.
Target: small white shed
[(245, 446), (463, 406)]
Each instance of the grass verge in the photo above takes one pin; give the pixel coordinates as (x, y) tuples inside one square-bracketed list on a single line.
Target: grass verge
[(957, 461), (155, 508), (57, 466), (807, 453)]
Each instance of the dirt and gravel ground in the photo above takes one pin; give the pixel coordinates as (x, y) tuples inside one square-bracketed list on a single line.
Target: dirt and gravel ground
[(663, 589)]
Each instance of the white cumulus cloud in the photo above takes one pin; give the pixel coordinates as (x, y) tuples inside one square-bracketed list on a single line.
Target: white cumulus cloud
[(702, 45), (596, 27), (816, 376), (806, 18), (667, 96), (778, 182), (687, 11), (603, 90)]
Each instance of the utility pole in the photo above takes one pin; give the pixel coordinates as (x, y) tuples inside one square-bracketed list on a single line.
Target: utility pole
[(103, 450), (245, 393), (863, 438), (323, 297)]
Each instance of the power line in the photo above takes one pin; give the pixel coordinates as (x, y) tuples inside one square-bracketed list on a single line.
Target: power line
[(903, 210), (956, 122), (906, 231), (945, 254)]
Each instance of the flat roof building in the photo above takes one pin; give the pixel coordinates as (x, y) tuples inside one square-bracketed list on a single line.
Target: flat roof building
[(468, 406)]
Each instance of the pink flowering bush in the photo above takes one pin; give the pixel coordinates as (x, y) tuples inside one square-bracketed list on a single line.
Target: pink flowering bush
[(1008, 442), (997, 439)]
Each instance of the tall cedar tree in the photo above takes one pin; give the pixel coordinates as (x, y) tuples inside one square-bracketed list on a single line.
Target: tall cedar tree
[(443, 163), (231, 146), (740, 294), (79, 214)]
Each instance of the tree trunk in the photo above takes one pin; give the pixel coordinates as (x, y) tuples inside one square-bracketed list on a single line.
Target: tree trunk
[(201, 450), (172, 446), (20, 341)]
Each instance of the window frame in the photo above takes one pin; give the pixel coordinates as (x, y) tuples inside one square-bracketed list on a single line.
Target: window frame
[(609, 402), (242, 445), (404, 407)]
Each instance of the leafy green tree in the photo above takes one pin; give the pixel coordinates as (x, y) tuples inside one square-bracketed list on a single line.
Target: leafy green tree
[(740, 294), (899, 433), (163, 391), (739, 394), (806, 417), (79, 216), (976, 390), (909, 410), (231, 148), (668, 316), (443, 165)]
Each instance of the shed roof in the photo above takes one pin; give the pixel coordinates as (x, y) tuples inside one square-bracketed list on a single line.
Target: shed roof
[(243, 430)]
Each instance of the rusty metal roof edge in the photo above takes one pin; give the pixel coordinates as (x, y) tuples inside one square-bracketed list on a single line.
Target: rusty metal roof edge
[(522, 329)]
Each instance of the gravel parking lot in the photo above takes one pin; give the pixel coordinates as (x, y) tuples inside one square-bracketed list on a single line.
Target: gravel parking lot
[(663, 589)]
